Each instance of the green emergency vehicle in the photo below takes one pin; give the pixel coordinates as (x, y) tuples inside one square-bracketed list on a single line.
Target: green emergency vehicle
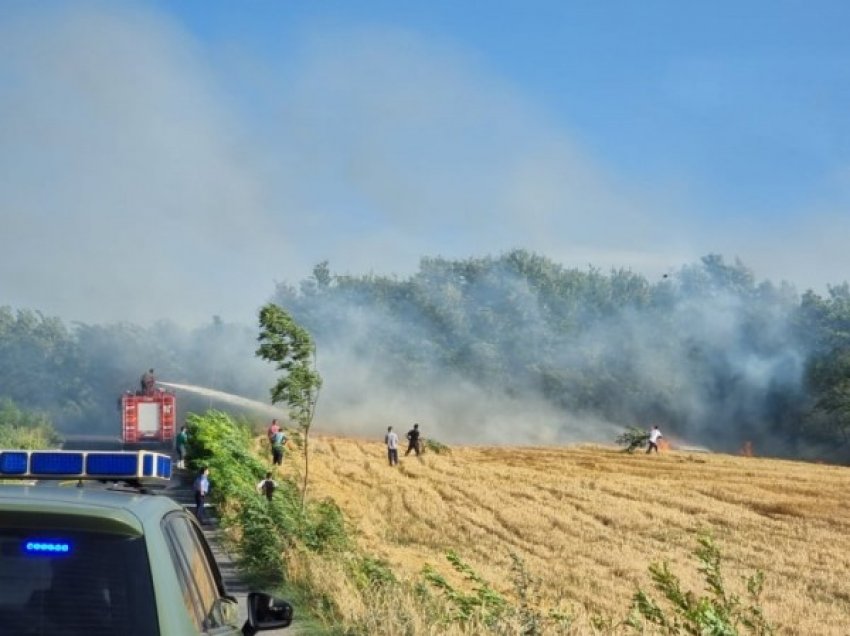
[(109, 560)]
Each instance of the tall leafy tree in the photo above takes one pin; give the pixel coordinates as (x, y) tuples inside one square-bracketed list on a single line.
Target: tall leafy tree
[(39, 364), (24, 429), (291, 348), (825, 323)]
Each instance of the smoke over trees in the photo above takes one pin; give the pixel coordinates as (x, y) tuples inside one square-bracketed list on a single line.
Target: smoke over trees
[(76, 375), (515, 348), (710, 353)]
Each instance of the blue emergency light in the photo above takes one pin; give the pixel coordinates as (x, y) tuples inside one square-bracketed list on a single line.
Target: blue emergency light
[(91, 465), (39, 546)]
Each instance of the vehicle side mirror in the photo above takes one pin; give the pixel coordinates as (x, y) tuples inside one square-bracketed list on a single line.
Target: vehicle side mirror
[(267, 612)]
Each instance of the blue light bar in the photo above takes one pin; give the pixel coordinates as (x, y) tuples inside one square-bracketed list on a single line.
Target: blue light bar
[(56, 463), (41, 546), (13, 462), (92, 465), (147, 466), (112, 464), (163, 465)]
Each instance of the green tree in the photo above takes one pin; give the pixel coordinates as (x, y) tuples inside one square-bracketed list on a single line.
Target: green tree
[(24, 429), (823, 324), (633, 438), (290, 347), (39, 364)]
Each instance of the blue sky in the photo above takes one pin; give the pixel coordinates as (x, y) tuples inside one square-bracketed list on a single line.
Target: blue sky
[(257, 138), (747, 101)]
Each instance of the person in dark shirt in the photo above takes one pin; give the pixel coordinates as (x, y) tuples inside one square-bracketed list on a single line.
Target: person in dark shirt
[(182, 444), (148, 381), (413, 440), (267, 486)]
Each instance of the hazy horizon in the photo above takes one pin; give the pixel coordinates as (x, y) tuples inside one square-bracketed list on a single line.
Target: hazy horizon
[(164, 161)]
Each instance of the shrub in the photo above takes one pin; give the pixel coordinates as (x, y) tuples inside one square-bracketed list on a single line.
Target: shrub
[(25, 430), (325, 528), (438, 448), (632, 438), (483, 602), (370, 572), (719, 613), (265, 529)]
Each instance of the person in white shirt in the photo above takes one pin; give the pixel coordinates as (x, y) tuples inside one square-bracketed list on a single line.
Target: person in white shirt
[(654, 436), (267, 486), (391, 440)]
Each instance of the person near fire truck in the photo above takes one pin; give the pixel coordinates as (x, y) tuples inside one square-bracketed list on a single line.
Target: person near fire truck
[(182, 444), (148, 381)]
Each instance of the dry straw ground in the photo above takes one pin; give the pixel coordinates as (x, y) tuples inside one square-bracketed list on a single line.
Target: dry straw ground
[(588, 520)]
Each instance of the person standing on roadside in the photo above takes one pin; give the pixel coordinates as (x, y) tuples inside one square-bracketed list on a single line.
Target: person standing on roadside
[(413, 440), (278, 441), (201, 487), (182, 444), (654, 436), (391, 440)]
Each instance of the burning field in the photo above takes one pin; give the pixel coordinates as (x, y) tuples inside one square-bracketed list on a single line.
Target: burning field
[(587, 521)]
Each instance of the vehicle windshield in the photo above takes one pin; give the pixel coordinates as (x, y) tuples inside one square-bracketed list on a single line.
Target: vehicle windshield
[(74, 583)]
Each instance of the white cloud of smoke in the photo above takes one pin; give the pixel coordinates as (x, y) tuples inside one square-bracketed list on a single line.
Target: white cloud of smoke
[(484, 360), (359, 397)]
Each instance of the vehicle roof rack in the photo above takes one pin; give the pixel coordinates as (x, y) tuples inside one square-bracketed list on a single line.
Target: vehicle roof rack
[(137, 467)]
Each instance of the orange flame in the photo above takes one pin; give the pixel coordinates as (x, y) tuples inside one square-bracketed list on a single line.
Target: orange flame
[(663, 445)]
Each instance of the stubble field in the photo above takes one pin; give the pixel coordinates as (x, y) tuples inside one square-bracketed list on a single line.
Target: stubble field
[(587, 521)]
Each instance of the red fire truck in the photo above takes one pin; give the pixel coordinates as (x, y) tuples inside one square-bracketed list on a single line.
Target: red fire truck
[(148, 418)]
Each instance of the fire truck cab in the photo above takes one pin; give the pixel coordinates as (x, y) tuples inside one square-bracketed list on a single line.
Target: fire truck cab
[(148, 418)]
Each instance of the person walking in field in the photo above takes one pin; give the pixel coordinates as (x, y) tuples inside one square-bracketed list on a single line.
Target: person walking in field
[(267, 486), (273, 428), (182, 444), (413, 440), (391, 440), (278, 441), (654, 436)]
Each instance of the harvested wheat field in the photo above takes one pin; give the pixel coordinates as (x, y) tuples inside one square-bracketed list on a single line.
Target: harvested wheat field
[(587, 521)]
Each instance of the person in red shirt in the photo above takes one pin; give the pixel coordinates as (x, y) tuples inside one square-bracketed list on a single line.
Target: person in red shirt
[(274, 428)]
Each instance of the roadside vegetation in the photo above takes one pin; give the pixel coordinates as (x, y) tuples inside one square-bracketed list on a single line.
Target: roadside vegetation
[(25, 430)]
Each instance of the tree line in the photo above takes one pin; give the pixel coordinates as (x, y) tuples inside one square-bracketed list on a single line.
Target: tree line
[(707, 351), (73, 375)]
